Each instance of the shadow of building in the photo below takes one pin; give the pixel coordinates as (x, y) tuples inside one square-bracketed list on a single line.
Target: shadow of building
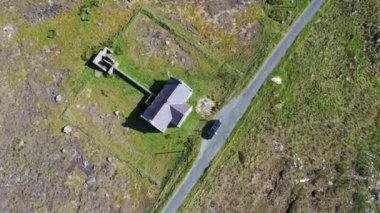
[(136, 122)]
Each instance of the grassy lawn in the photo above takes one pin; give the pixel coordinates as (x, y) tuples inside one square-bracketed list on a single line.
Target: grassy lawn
[(93, 111), (311, 144)]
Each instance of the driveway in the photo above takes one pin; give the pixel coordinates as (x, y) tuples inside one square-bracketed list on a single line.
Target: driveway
[(231, 113)]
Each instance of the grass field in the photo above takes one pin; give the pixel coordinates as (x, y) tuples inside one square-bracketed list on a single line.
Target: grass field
[(93, 111), (149, 52), (311, 144), (243, 47), (149, 46), (132, 138)]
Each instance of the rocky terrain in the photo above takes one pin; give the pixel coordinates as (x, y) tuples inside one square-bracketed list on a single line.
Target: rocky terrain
[(41, 168)]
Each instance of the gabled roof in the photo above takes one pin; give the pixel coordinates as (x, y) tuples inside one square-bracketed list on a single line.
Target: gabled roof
[(169, 107)]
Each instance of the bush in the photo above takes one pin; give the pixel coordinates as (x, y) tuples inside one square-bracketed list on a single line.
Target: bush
[(85, 10), (84, 56), (279, 15), (94, 3), (84, 14), (362, 167), (118, 50), (341, 167), (241, 157), (51, 33), (275, 2), (360, 201)]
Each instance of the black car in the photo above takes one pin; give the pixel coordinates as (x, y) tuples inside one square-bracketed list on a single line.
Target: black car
[(211, 129)]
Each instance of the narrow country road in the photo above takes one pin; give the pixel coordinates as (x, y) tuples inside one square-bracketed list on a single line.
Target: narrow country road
[(231, 113)]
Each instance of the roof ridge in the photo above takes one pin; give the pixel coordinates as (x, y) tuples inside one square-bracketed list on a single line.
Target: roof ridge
[(161, 108)]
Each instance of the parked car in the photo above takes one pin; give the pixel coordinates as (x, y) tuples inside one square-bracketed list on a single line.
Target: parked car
[(212, 129)]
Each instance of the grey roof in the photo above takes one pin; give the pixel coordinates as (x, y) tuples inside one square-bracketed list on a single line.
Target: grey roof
[(169, 107)]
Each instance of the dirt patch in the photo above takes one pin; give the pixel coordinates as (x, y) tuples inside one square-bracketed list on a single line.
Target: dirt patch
[(125, 3), (226, 21), (220, 12), (248, 31), (7, 31), (100, 182), (39, 12), (216, 7), (156, 42), (8, 49), (184, 22)]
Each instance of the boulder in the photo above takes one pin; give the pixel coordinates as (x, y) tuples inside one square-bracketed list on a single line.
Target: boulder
[(67, 129), (58, 98)]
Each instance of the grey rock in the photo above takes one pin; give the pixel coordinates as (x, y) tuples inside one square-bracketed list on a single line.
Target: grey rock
[(118, 114), (67, 129), (91, 181), (58, 98)]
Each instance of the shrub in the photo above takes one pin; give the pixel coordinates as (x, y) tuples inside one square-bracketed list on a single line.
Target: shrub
[(275, 2), (341, 167), (279, 15), (84, 56), (83, 14), (362, 167), (85, 10), (241, 157), (118, 50), (94, 3), (51, 33)]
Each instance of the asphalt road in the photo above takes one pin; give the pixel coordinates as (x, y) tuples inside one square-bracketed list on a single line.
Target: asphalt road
[(231, 113)]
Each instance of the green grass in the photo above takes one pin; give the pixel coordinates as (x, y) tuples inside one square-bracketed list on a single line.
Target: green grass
[(252, 55), (74, 38), (144, 153), (330, 115), (147, 65), (83, 29), (240, 59), (141, 150)]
